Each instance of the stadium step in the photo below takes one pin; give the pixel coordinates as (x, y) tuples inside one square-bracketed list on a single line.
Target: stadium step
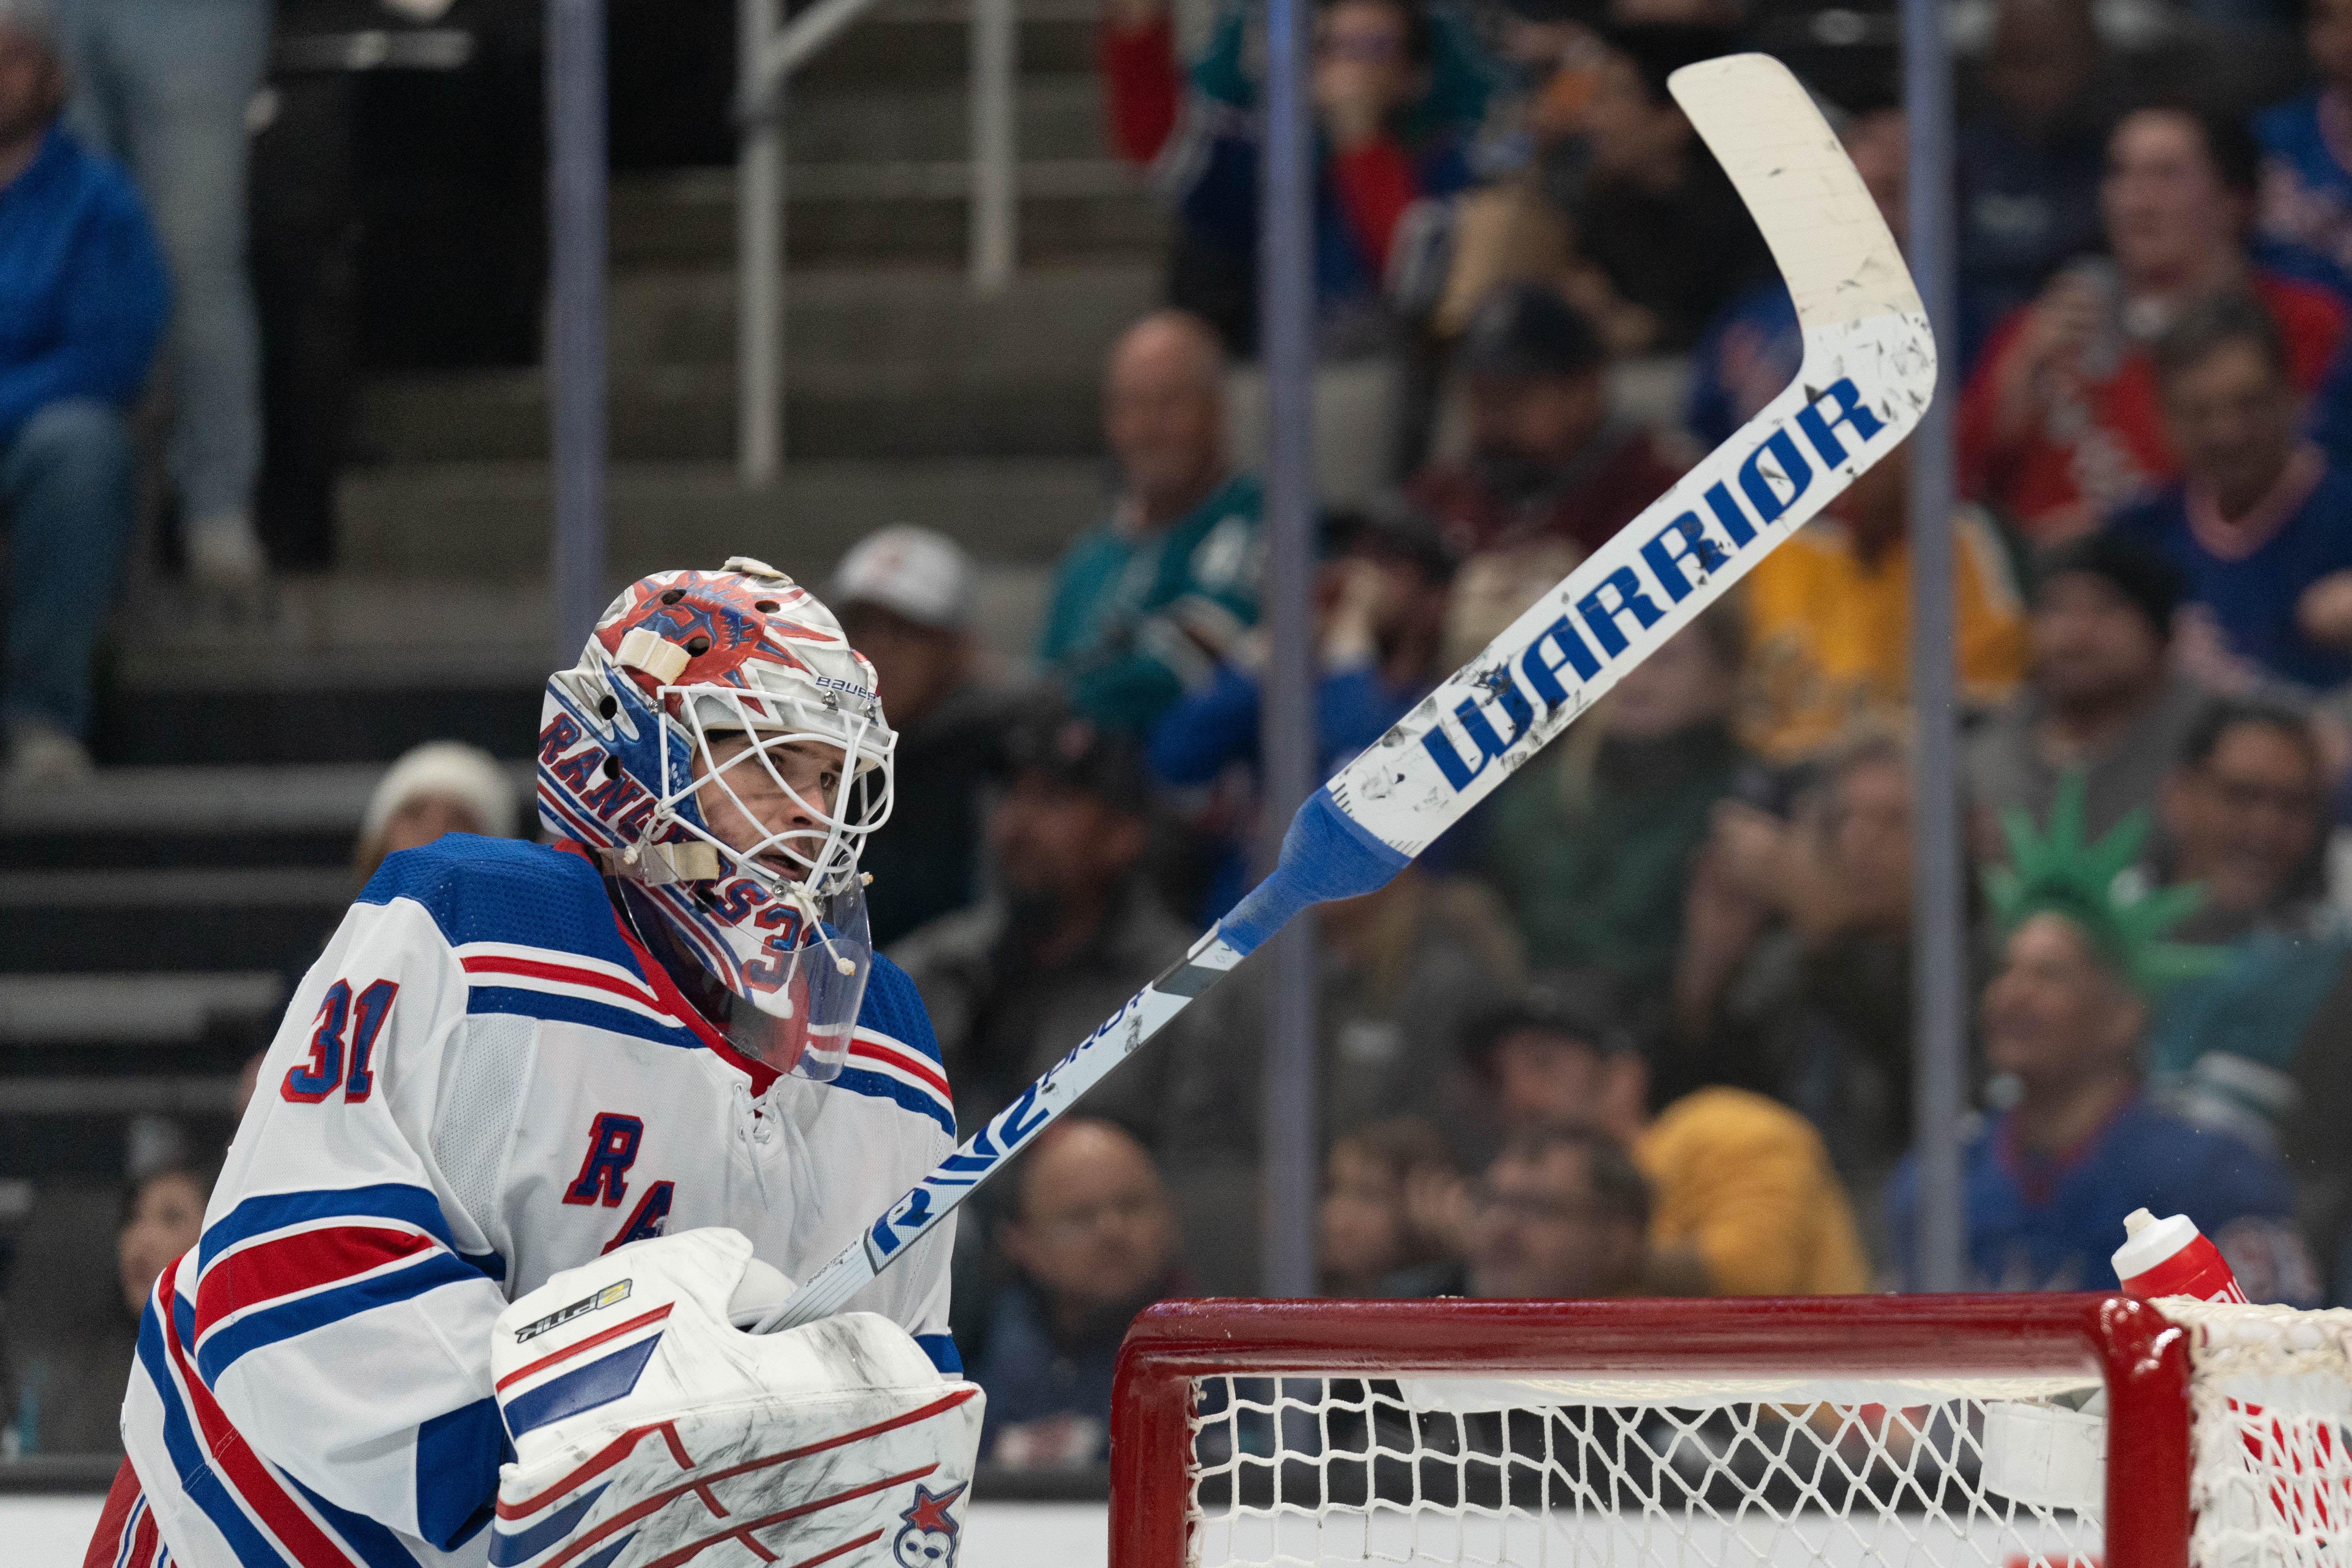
[(1073, 209), (488, 521), (893, 363)]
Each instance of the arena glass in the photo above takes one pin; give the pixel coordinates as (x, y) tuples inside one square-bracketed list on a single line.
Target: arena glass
[(1868, 374)]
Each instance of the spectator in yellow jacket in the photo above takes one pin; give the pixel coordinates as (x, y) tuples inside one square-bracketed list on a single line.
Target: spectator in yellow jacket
[(1743, 1201), (1829, 620)]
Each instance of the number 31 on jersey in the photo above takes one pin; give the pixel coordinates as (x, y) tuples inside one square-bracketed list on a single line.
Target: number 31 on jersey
[(310, 1082)]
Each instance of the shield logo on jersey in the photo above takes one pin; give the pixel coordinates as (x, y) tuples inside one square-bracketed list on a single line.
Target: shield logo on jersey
[(928, 1538)]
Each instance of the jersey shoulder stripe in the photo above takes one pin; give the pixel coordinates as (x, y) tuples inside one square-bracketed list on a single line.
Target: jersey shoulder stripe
[(507, 892), (892, 1055), (894, 1009)]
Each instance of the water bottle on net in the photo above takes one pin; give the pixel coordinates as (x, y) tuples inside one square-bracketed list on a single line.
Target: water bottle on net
[(2294, 1455)]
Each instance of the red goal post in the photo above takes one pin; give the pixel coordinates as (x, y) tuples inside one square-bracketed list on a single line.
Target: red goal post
[(1177, 1350)]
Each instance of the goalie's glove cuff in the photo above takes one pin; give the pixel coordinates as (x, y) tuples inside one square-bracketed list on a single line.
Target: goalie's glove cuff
[(649, 1430)]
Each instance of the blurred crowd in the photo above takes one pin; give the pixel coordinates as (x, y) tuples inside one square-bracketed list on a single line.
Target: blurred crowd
[(1643, 1024)]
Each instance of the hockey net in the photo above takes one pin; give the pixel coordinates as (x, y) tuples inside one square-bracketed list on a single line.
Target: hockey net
[(2008, 1431)]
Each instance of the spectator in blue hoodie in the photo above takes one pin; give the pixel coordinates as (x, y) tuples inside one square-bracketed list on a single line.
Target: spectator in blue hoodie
[(82, 301)]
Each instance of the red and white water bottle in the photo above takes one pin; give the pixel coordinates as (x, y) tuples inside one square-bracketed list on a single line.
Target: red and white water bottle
[(2171, 1258)]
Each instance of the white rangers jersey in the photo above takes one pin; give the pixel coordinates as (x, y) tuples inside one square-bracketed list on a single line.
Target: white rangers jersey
[(485, 1078)]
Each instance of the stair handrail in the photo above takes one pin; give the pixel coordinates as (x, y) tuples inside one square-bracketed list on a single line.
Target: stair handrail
[(767, 55)]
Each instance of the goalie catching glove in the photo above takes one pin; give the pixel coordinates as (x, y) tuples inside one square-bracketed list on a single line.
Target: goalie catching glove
[(650, 1431)]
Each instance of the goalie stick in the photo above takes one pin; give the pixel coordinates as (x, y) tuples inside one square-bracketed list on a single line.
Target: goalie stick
[(1869, 371)]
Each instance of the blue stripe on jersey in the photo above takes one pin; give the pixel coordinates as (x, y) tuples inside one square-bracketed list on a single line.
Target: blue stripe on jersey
[(895, 1008), (267, 1212), (377, 1546), (488, 1264), (524, 1544), (879, 1086), (458, 1458), (504, 889), (942, 1349), (203, 1488), (600, 1381), (256, 1331), (577, 1010)]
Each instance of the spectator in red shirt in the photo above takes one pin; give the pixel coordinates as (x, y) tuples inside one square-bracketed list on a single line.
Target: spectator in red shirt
[(2062, 424), (1547, 460), (1397, 91)]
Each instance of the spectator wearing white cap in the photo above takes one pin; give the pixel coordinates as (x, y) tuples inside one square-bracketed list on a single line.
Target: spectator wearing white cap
[(441, 786), (904, 595)]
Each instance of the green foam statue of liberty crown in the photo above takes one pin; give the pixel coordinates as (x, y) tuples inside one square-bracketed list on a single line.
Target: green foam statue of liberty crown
[(2057, 873)]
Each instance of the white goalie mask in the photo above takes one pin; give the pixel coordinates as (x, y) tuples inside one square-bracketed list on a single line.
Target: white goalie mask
[(721, 747)]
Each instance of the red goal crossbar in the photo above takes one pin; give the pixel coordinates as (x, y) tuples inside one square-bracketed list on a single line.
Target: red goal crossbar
[(2143, 1358)]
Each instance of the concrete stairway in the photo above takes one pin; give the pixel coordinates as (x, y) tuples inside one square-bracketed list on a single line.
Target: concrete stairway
[(908, 397), (160, 915)]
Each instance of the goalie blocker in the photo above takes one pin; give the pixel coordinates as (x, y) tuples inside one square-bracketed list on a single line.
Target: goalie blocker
[(649, 1429)]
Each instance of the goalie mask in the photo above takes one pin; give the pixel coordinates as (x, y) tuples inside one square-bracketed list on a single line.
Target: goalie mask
[(720, 747)]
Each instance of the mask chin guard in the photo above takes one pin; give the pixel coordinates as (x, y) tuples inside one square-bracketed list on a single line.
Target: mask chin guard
[(808, 986)]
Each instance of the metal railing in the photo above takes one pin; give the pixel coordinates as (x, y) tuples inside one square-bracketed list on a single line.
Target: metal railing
[(767, 56)]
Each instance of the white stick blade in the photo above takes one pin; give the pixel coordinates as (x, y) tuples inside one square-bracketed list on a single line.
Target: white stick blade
[(1832, 245)]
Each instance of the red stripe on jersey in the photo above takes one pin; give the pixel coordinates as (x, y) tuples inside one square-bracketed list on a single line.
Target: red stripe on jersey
[(569, 975), (543, 1363), (906, 1062), (114, 1543), (235, 1463), (268, 1269)]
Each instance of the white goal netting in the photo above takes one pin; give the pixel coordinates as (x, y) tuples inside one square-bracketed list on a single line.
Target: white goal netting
[(2270, 1407), (1523, 1472), (1806, 1469)]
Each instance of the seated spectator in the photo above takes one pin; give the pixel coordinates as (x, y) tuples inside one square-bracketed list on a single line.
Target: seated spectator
[(1374, 1243), (1380, 602), (441, 786), (904, 595), (1794, 977), (2307, 193), (1145, 604), (1662, 242), (2260, 525), (1752, 347), (2030, 156), (1094, 1237), (1072, 928), (1548, 461), (82, 302), (2100, 697), (70, 1349), (1590, 842), (2244, 815), (1743, 1201), (2048, 1180), (2061, 422), (1829, 619), (1402, 970), (1398, 91), (1560, 1216)]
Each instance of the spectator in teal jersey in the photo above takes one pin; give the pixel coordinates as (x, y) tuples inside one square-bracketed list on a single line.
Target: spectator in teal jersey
[(2244, 814), (1145, 604)]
